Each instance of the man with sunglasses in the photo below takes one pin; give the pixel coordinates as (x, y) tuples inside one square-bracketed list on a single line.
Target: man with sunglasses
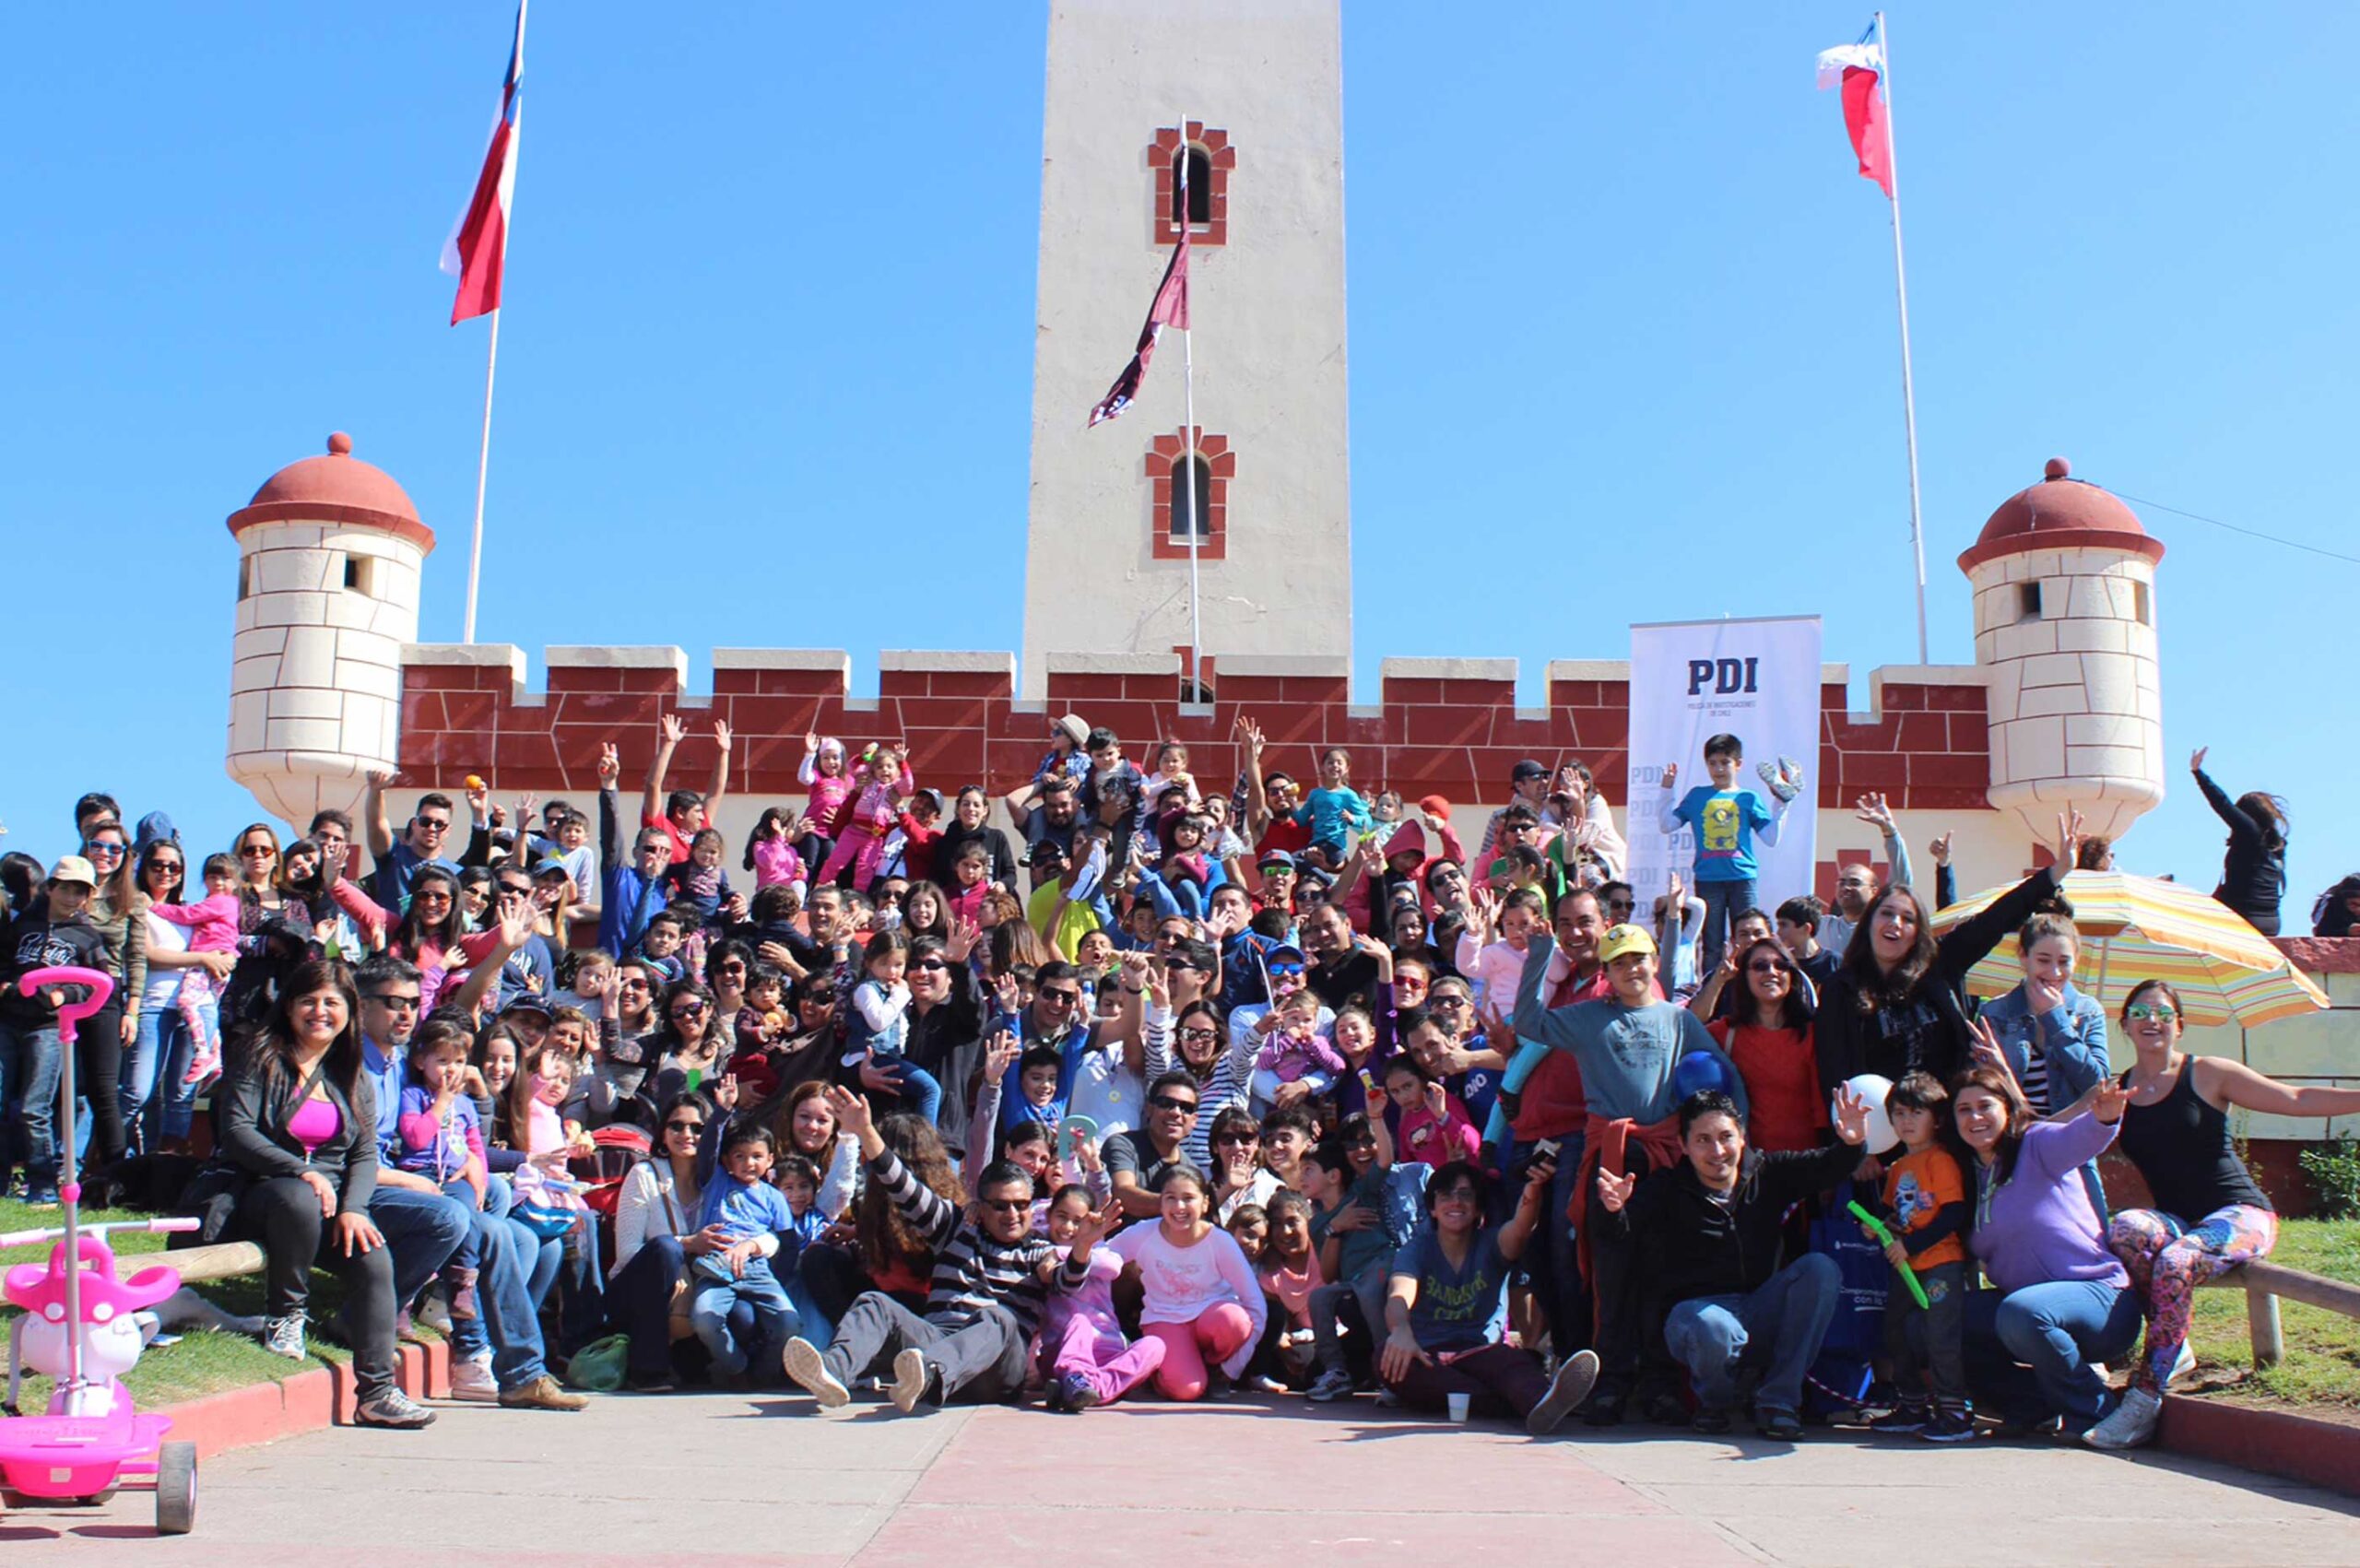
[(496, 1349), (1106, 1059), (425, 841), (992, 1277), (631, 891), (1138, 1161)]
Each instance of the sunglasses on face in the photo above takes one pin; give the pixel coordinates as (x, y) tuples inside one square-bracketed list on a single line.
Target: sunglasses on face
[(170, 868), (2154, 1012), (689, 1010), (1246, 1138), (434, 824), (932, 966), (1768, 966), (631, 984), (1063, 998), (1200, 1035), (1167, 1103), (1285, 971), (432, 895), (261, 849), (1447, 1001), (733, 967), (108, 851), (684, 1126), (404, 1004), (1005, 1204)]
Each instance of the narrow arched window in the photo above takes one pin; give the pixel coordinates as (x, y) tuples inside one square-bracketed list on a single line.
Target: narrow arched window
[(1200, 187), (1202, 515)]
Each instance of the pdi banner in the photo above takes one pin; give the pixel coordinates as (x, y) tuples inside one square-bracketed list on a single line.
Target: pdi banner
[(1757, 679)]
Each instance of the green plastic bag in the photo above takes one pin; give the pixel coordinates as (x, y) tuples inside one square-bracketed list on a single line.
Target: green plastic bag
[(599, 1365)]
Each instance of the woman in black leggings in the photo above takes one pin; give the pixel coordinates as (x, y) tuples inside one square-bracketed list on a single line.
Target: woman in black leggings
[(299, 1122), (2253, 872)]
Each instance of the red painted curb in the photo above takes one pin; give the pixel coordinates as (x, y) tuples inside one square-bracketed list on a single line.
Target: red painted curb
[(266, 1412), (2321, 1453)]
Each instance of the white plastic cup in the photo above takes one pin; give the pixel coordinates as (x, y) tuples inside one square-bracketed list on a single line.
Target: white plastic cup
[(1459, 1406)]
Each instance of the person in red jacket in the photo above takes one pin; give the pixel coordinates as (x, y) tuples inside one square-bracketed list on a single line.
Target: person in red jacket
[(1406, 864)]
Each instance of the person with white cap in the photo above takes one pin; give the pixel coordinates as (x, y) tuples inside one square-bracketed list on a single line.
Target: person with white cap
[(55, 931)]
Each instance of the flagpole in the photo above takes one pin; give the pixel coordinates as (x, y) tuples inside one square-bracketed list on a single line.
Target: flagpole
[(1901, 292), (492, 357), (483, 470), (1188, 451)]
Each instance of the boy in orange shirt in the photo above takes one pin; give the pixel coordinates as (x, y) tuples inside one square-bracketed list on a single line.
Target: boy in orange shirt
[(1925, 1209)]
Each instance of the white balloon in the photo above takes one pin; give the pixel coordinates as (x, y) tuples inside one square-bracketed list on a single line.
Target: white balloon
[(1873, 1088)]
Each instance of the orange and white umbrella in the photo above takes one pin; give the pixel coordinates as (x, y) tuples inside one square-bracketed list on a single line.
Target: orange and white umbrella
[(2137, 928)]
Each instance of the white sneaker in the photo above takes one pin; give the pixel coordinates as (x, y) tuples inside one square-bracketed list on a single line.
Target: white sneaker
[(1330, 1386), (472, 1383), (802, 1362), (2132, 1423), (2182, 1364)]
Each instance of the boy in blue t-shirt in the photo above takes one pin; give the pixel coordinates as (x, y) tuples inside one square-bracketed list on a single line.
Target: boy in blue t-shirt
[(750, 1213), (1727, 820)]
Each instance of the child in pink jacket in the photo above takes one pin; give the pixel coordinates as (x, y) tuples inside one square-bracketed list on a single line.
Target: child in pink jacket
[(1087, 1358), (212, 926)]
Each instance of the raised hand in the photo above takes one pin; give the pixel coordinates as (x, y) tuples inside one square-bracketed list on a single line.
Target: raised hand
[(478, 797), (2107, 1100), (1941, 849), (1097, 1227), (1851, 1116), (964, 935), (610, 764), (1251, 733), (1437, 1100), (2068, 839), (1006, 996), (1537, 1178), (2196, 762), (1000, 1055), (1614, 1190), (851, 1112), (1872, 810), (1985, 1051), (672, 729)]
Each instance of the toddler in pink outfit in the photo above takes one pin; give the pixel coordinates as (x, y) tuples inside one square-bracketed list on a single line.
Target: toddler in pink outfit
[(212, 926)]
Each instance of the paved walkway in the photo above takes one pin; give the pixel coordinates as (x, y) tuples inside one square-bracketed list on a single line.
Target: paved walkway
[(730, 1481)]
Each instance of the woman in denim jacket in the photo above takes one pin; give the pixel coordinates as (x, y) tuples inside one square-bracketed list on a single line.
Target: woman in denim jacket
[(2052, 1036)]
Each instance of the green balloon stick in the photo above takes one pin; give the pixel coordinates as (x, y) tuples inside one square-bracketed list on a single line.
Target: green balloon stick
[(1877, 1228)]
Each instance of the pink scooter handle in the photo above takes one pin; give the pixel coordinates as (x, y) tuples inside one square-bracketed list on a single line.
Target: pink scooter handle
[(72, 1013)]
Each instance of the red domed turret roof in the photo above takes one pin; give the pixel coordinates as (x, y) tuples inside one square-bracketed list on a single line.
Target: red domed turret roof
[(2060, 511), (338, 487)]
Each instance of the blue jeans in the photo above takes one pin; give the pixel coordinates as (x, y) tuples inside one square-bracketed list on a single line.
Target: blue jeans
[(1722, 899), (156, 1102), (2033, 1348), (1710, 1334), (730, 1315), (504, 1256), (30, 1060), (918, 1093)]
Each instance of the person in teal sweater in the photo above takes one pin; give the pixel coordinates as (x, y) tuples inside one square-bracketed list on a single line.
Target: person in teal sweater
[(1335, 812)]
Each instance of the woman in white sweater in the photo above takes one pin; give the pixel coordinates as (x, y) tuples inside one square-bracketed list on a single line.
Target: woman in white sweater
[(656, 1234), (1202, 1299)]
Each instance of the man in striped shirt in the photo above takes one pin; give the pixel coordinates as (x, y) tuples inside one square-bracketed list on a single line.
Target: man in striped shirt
[(991, 1278)]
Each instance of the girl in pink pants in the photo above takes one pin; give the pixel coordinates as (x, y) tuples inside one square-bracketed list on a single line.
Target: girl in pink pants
[(1083, 1352), (1203, 1302)]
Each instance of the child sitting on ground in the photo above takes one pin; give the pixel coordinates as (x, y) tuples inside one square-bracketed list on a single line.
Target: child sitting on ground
[(1926, 1208), (212, 926), (1081, 1351), (1289, 1268), (1357, 1226), (742, 1207)]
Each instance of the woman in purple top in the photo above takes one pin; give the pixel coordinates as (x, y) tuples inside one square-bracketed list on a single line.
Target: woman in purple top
[(2057, 1299)]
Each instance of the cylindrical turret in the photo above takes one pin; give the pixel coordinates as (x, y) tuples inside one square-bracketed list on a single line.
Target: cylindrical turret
[(2064, 582), (329, 555)]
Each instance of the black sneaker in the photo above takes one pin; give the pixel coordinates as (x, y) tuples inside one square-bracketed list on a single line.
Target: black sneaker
[(1778, 1425), (651, 1382), (1605, 1409), (1709, 1420), (1663, 1408), (1903, 1418), (1949, 1425), (1568, 1388)]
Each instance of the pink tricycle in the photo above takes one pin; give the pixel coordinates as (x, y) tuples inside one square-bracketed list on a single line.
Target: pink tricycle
[(83, 1326)]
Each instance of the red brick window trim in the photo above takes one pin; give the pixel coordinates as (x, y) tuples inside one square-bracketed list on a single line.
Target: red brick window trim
[(1218, 465), (1219, 158)]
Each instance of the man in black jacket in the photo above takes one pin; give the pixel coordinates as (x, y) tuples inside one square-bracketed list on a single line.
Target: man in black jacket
[(53, 932), (1708, 1236)]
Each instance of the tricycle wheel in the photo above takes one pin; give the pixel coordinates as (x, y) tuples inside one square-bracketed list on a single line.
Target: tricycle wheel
[(176, 1488)]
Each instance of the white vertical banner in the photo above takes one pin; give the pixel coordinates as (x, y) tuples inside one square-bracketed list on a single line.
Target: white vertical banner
[(1757, 679)]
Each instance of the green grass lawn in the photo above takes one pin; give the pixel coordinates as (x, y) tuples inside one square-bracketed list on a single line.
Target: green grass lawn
[(2322, 1361), (203, 1362)]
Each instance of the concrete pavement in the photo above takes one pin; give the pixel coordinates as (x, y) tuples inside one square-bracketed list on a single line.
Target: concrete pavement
[(729, 1481)]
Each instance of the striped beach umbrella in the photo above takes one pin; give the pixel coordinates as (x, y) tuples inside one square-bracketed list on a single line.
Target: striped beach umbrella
[(2136, 928)]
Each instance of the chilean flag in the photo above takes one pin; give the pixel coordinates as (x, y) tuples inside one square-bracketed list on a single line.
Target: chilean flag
[(478, 250), (1168, 308), (1858, 69)]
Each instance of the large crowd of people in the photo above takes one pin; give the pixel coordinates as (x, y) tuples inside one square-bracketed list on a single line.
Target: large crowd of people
[(1127, 1084)]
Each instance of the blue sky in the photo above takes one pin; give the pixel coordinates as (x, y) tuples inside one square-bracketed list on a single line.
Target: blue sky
[(1620, 311)]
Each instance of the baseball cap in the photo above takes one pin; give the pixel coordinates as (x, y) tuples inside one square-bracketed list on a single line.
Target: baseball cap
[(526, 1002), (1527, 769), (74, 869), (1275, 858), (553, 867), (1045, 851), (1623, 940)]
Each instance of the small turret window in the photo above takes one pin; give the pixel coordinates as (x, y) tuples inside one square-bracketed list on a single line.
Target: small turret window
[(245, 575), (2141, 605), (360, 574), (2027, 602)]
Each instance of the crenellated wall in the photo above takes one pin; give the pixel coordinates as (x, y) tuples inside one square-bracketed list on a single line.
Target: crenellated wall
[(1449, 727)]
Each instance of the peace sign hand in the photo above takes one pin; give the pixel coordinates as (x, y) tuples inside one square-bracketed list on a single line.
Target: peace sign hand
[(2108, 1099)]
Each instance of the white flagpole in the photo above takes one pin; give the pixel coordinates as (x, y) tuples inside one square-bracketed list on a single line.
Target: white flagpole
[(491, 354), (1901, 292), (1187, 450), (1188, 447)]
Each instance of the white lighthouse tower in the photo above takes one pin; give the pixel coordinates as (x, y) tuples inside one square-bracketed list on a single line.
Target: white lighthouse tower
[(2064, 582), (1260, 89), (329, 553)]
